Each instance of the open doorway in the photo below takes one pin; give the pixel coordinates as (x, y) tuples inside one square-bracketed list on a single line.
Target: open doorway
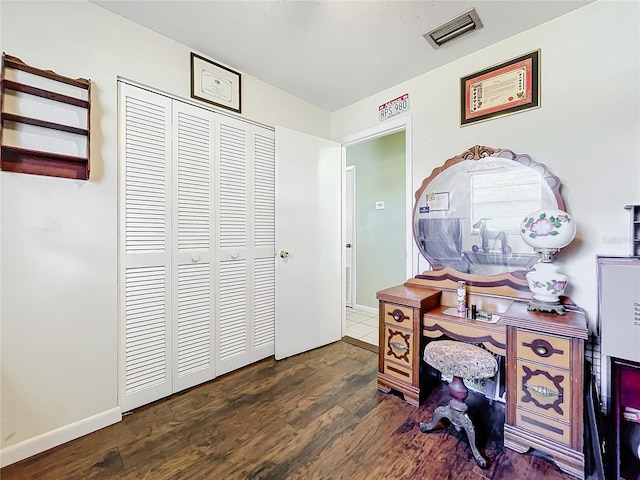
[(378, 204)]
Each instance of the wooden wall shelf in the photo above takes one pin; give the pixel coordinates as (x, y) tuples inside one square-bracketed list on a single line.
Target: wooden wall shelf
[(10, 117), (24, 158), (40, 92)]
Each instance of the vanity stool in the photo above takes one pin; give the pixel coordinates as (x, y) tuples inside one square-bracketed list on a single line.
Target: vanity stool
[(461, 360)]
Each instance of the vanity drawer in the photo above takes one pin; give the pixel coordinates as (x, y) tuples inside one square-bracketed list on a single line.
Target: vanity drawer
[(543, 348), (544, 390), (398, 315), (543, 426), (399, 371), (398, 346)]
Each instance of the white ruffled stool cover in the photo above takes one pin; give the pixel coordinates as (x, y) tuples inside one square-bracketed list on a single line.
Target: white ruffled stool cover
[(460, 359)]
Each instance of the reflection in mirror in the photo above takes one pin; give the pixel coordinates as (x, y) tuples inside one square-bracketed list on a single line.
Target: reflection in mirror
[(467, 213)]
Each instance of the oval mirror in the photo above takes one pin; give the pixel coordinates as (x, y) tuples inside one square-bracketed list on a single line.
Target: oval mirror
[(467, 213)]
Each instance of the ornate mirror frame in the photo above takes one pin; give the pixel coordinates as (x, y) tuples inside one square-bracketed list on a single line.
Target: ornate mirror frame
[(515, 278)]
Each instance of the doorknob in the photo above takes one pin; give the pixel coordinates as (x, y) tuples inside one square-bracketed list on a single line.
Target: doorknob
[(284, 254), (348, 245)]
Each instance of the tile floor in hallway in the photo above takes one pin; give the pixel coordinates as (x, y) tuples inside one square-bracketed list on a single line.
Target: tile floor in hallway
[(362, 325)]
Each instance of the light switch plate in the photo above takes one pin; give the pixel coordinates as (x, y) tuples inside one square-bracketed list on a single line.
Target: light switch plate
[(379, 205)]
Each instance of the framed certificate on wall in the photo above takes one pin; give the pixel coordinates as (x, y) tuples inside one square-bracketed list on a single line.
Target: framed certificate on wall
[(215, 83), (510, 87)]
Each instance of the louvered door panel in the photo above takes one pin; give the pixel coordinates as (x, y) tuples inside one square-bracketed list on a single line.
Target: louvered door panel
[(232, 316), (263, 305), (193, 227), (145, 332), (263, 189), (145, 270), (263, 236), (233, 187), (233, 281), (194, 328)]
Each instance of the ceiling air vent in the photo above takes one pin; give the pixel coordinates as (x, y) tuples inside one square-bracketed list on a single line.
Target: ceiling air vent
[(455, 27)]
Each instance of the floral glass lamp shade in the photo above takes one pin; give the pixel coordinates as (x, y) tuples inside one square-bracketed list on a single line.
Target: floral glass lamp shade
[(547, 231)]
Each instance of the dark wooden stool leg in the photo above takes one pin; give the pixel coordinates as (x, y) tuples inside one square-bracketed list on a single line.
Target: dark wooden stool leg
[(456, 413), (459, 393)]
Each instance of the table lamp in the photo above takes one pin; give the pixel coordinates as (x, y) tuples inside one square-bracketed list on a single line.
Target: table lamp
[(547, 231)]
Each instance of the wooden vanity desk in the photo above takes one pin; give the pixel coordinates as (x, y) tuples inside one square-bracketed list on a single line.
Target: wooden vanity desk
[(544, 355)]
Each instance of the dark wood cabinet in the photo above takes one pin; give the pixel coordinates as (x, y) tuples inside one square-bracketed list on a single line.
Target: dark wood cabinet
[(625, 390), (545, 385), (544, 356), (401, 310)]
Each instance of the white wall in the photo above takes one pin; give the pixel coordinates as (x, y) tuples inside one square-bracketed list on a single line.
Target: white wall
[(586, 131), (59, 236)]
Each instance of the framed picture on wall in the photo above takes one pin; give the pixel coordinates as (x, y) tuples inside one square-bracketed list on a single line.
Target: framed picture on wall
[(215, 83), (510, 87)]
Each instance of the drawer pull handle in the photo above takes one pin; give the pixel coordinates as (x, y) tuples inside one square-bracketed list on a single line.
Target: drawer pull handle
[(398, 315), (542, 350), (398, 346), (544, 391)]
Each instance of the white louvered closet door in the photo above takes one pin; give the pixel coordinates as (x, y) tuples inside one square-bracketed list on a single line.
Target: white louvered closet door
[(263, 239), (245, 193), (193, 228), (197, 232), (233, 273), (145, 238)]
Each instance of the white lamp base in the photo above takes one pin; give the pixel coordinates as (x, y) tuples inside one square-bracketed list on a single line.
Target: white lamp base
[(547, 284)]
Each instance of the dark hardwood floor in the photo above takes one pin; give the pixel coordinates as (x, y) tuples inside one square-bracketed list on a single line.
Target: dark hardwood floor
[(317, 415)]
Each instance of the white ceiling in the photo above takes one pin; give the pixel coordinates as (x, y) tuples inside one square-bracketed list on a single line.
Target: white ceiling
[(332, 53)]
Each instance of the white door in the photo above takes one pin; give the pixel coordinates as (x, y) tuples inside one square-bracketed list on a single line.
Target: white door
[(262, 297), (350, 222), (309, 300), (192, 292), (245, 245), (234, 280), (145, 247), (166, 238)]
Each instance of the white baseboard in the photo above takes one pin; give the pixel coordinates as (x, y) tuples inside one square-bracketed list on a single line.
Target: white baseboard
[(363, 308), (32, 446)]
